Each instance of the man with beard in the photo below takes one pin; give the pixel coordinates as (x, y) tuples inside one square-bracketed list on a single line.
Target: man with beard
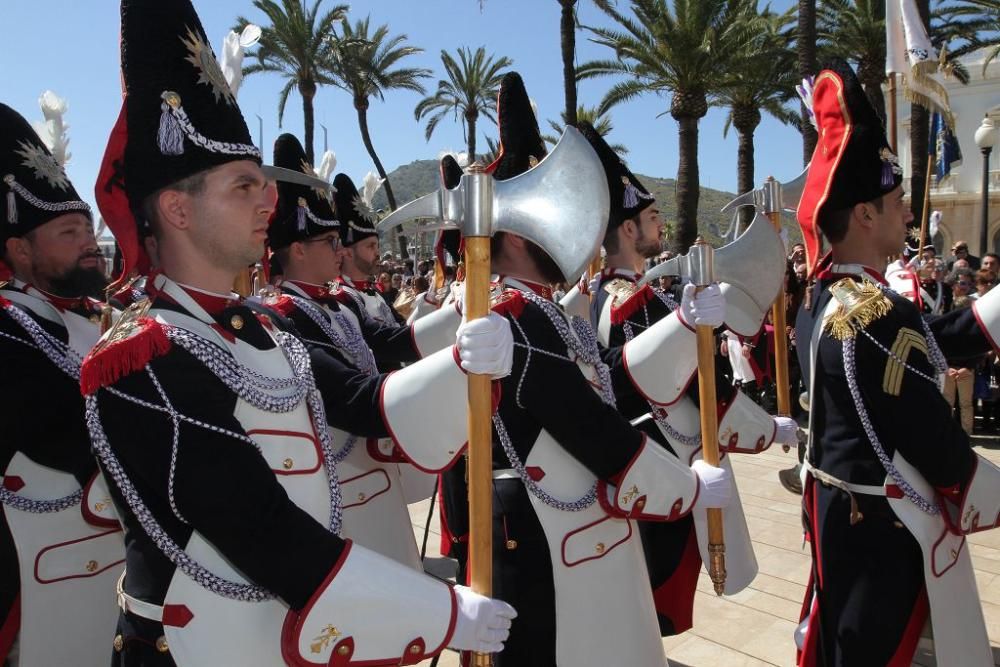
[(570, 474), (51, 493), (623, 311), (209, 415), (362, 261)]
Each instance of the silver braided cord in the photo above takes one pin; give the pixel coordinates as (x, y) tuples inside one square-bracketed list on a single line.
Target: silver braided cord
[(255, 392), (52, 207), (581, 340), (352, 344), (68, 361), (657, 412), (850, 371)]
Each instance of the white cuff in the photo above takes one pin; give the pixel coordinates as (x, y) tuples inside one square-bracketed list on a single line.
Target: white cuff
[(409, 395), (370, 610), (745, 427), (655, 486), (661, 361)]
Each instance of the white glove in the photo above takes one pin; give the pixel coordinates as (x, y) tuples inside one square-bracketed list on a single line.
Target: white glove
[(482, 624), (705, 308), (486, 346), (715, 485), (786, 431)]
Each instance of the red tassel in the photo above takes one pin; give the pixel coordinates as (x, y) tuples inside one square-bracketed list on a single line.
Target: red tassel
[(622, 312), (4, 303), (113, 360)]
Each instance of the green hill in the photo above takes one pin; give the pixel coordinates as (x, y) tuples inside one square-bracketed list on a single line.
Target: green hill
[(421, 176)]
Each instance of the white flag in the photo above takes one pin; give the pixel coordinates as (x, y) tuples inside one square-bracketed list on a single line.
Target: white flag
[(908, 52)]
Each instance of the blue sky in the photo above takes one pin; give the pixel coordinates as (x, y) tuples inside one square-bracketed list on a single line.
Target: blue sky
[(71, 47)]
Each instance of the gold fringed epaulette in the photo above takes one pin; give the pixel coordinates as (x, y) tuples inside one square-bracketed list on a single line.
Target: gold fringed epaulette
[(861, 302), (620, 289), (131, 343)]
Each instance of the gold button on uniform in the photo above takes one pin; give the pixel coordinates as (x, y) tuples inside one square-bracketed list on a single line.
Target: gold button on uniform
[(161, 644), (361, 497), (95, 319), (511, 544), (600, 548), (236, 322), (287, 464), (639, 504), (118, 643), (91, 565), (414, 649), (343, 649)]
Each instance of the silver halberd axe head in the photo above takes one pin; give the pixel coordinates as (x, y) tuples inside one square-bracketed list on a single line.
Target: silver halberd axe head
[(751, 270), (773, 196), (561, 205)]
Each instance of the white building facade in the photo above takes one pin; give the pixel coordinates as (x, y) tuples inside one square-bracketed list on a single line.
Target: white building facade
[(959, 195)]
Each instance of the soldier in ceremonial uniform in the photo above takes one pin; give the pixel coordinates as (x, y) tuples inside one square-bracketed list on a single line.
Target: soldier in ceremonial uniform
[(621, 310), (305, 235), (892, 486), (210, 417), (361, 240), (60, 544), (570, 474)]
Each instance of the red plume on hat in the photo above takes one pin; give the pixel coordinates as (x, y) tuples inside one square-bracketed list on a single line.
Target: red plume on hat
[(852, 162)]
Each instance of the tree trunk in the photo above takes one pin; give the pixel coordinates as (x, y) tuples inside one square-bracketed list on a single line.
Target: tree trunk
[(470, 145), (307, 89), (806, 44), (567, 32), (746, 122), (688, 185), (362, 108), (919, 139)]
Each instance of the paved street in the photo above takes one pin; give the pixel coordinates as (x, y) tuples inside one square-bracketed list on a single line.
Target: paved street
[(754, 628)]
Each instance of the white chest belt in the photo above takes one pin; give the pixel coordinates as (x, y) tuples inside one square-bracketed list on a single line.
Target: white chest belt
[(133, 605)]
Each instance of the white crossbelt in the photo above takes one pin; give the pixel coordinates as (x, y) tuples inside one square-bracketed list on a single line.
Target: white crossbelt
[(132, 605), (850, 487)]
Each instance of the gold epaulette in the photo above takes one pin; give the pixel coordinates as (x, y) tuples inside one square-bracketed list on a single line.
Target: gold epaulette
[(620, 290), (131, 343), (860, 302)]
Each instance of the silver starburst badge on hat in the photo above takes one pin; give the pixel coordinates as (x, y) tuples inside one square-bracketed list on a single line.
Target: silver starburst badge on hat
[(43, 164), (364, 209), (209, 72)]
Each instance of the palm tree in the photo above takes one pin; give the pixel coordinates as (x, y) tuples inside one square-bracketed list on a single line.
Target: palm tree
[(293, 46), (361, 64), (567, 39), (470, 90), (600, 121), (855, 31), (684, 52), (976, 23), (762, 79), (805, 44)]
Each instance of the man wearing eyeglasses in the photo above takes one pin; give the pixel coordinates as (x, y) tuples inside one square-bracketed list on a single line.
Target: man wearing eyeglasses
[(305, 236)]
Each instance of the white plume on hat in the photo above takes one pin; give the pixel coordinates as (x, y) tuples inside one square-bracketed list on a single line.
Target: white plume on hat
[(327, 164), (233, 49), (369, 186), (53, 131)]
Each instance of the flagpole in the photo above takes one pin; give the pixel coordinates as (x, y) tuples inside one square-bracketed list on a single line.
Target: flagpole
[(924, 217), (893, 122)]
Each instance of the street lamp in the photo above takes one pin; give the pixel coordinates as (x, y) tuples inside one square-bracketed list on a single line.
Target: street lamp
[(985, 138)]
